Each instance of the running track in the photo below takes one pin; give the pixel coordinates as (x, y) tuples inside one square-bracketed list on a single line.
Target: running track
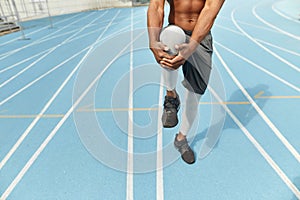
[(80, 108)]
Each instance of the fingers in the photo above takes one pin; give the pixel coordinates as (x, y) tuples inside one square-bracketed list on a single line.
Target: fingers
[(164, 52), (165, 55), (162, 56), (160, 51), (163, 47), (183, 50), (174, 63), (168, 66)]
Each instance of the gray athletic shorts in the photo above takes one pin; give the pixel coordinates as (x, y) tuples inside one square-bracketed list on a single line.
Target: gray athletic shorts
[(197, 68)]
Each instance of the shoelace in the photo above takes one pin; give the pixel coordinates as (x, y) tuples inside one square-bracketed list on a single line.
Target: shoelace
[(171, 103), (184, 148)]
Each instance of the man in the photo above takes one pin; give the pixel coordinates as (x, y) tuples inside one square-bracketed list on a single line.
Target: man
[(196, 18)]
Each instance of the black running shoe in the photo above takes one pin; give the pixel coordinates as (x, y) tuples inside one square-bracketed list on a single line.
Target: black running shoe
[(185, 150), (171, 107)]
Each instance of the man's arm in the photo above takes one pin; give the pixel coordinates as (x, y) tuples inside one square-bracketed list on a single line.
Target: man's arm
[(155, 19), (204, 23), (206, 19)]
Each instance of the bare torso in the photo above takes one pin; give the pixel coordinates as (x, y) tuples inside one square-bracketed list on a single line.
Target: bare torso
[(184, 13)]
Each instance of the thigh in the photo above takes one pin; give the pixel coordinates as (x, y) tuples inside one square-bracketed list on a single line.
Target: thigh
[(197, 68)]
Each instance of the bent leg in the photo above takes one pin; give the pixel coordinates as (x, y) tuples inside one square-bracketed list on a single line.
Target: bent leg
[(170, 78), (190, 111)]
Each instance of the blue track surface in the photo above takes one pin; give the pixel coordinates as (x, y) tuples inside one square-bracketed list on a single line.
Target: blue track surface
[(80, 109)]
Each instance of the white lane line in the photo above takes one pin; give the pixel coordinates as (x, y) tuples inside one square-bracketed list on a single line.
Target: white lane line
[(278, 47), (284, 141), (47, 37), (75, 38), (249, 24), (130, 155), (54, 35), (283, 15), (260, 68), (228, 29), (159, 149), (49, 52), (36, 31), (43, 39), (59, 125), (34, 122), (263, 47), (260, 149), (273, 26), (259, 40), (41, 77), (22, 61), (53, 69), (42, 52)]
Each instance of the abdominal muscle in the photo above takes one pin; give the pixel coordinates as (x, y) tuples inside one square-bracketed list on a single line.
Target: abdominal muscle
[(185, 13)]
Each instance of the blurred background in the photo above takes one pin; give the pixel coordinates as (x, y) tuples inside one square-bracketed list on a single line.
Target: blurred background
[(14, 12)]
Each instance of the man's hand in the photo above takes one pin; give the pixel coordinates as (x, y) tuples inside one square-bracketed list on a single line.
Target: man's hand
[(185, 51), (159, 51)]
